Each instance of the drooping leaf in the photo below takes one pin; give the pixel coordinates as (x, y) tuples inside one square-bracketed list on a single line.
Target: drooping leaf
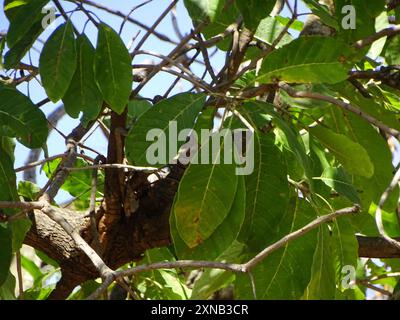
[(351, 154), (5, 252), (158, 124), (323, 281), (21, 118), (204, 199), (83, 95), (266, 187), (307, 59), (223, 236), (57, 62), (8, 187), (112, 68), (286, 272)]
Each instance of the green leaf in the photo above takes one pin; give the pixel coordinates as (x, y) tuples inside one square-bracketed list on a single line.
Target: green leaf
[(223, 236), (351, 154), (19, 228), (286, 272), (22, 19), (136, 108), (323, 280), (32, 269), (361, 132), (181, 109), (5, 252), (28, 190), (345, 247), (78, 183), (205, 196), (253, 11), (211, 281), (307, 59), (83, 95), (112, 68), (369, 105), (366, 12), (21, 118), (392, 50), (267, 189), (57, 62), (8, 187), (322, 12), (203, 10), (337, 179), (268, 31), (7, 290), (18, 51)]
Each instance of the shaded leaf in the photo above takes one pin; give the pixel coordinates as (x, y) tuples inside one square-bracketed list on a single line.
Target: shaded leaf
[(83, 95), (57, 62)]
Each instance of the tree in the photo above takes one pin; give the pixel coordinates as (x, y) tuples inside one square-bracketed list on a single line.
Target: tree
[(270, 173)]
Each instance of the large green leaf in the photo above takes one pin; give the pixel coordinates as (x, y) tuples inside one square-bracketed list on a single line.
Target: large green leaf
[(351, 154), (112, 66), (286, 273), (22, 18), (181, 109), (20, 118), (307, 59), (83, 95), (266, 190), (223, 236), (57, 62), (345, 247), (323, 281), (5, 252), (204, 199)]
